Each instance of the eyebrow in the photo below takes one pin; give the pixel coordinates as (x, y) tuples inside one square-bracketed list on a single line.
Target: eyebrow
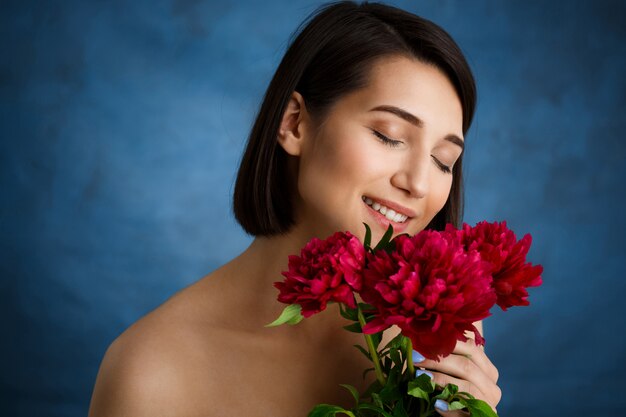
[(416, 121)]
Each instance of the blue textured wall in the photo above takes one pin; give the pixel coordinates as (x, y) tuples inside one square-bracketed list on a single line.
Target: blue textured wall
[(122, 124)]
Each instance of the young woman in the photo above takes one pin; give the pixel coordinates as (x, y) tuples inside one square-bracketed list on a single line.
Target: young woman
[(363, 121)]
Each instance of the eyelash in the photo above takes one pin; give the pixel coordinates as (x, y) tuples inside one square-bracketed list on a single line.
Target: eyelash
[(444, 168), (384, 139), (395, 143)]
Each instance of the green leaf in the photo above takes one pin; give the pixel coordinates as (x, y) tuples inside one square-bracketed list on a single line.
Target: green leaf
[(405, 348), (363, 351), (466, 395), (353, 391), (394, 376), (384, 241), (348, 313), (424, 382), (417, 392), (395, 357), (455, 405), (366, 307), (368, 237), (354, 327), (395, 342), (390, 393), (421, 387), (373, 388), (404, 343), (448, 391), (478, 408), (380, 410), (376, 338), (399, 410), (327, 410), (292, 314), (377, 400)]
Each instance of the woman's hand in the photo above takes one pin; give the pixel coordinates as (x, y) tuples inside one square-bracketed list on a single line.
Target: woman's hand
[(467, 367)]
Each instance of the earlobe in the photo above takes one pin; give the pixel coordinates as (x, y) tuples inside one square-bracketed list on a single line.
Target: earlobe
[(291, 130)]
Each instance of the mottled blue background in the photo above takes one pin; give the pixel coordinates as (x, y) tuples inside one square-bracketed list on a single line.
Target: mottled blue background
[(122, 124)]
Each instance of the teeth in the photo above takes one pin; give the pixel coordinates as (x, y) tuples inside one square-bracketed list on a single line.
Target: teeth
[(385, 211)]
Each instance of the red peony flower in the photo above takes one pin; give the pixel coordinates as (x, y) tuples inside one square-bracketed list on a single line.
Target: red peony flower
[(326, 270), (498, 245), (431, 288)]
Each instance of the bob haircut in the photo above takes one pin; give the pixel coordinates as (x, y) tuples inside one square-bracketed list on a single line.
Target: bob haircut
[(331, 56)]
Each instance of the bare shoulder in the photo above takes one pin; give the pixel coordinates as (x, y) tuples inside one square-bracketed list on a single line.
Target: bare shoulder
[(206, 352), (159, 366)]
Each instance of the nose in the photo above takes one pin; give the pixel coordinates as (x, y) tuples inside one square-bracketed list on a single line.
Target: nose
[(412, 174)]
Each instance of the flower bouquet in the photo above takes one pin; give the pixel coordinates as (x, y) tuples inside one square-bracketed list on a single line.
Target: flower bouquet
[(433, 286)]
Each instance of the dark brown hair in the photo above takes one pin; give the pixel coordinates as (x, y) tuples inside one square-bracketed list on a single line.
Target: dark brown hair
[(335, 48)]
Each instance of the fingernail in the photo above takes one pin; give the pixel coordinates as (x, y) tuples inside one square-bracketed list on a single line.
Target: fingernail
[(441, 405), (422, 372), (417, 357)]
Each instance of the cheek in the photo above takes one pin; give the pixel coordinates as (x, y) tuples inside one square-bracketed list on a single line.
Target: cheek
[(340, 163), (320, 175), (439, 195)]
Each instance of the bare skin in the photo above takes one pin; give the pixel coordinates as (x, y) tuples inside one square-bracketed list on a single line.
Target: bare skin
[(206, 352), (186, 357)]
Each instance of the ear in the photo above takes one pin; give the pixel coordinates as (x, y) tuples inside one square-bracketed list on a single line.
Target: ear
[(292, 129)]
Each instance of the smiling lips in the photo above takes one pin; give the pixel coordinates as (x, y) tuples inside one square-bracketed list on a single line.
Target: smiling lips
[(395, 213)]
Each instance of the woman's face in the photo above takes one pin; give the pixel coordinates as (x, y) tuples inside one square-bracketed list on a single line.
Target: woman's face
[(383, 149)]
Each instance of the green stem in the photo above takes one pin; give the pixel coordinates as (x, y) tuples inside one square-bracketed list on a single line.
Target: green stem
[(409, 358), (373, 353)]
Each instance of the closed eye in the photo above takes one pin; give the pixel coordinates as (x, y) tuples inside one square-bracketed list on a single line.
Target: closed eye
[(387, 141), (442, 167), (395, 143)]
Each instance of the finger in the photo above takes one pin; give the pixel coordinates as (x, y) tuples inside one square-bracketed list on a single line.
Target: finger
[(441, 407), (474, 352), (483, 365), (462, 368)]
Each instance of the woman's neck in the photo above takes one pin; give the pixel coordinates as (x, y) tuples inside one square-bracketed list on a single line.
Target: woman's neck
[(253, 273)]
